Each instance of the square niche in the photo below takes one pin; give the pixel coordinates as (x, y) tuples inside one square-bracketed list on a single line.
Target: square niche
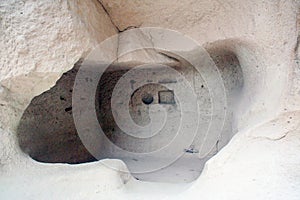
[(166, 97)]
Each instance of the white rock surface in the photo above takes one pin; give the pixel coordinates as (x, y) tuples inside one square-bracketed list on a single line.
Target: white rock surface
[(253, 166), (61, 181), (262, 34), (250, 167), (42, 39)]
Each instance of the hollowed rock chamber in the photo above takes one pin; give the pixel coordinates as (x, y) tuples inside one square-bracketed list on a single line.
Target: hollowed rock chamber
[(48, 134)]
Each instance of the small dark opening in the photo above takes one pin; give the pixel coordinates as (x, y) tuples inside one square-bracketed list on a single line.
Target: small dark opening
[(147, 99)]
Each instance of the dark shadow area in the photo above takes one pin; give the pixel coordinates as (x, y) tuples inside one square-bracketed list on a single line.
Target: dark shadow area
[(47, 132)]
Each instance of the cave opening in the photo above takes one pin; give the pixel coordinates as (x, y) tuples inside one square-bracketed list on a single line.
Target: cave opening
[(47, 132)]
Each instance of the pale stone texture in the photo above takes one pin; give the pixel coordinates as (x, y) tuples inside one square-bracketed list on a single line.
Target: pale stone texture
[(293, 98), (252, 166), (257, 164), (261, 33), (42, 39)]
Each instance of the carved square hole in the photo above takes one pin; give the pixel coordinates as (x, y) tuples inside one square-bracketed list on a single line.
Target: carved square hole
[(166, 97)]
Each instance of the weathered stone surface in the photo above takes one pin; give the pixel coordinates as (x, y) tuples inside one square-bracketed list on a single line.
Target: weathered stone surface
[(261, 34), (40, 40), (44, 39)]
